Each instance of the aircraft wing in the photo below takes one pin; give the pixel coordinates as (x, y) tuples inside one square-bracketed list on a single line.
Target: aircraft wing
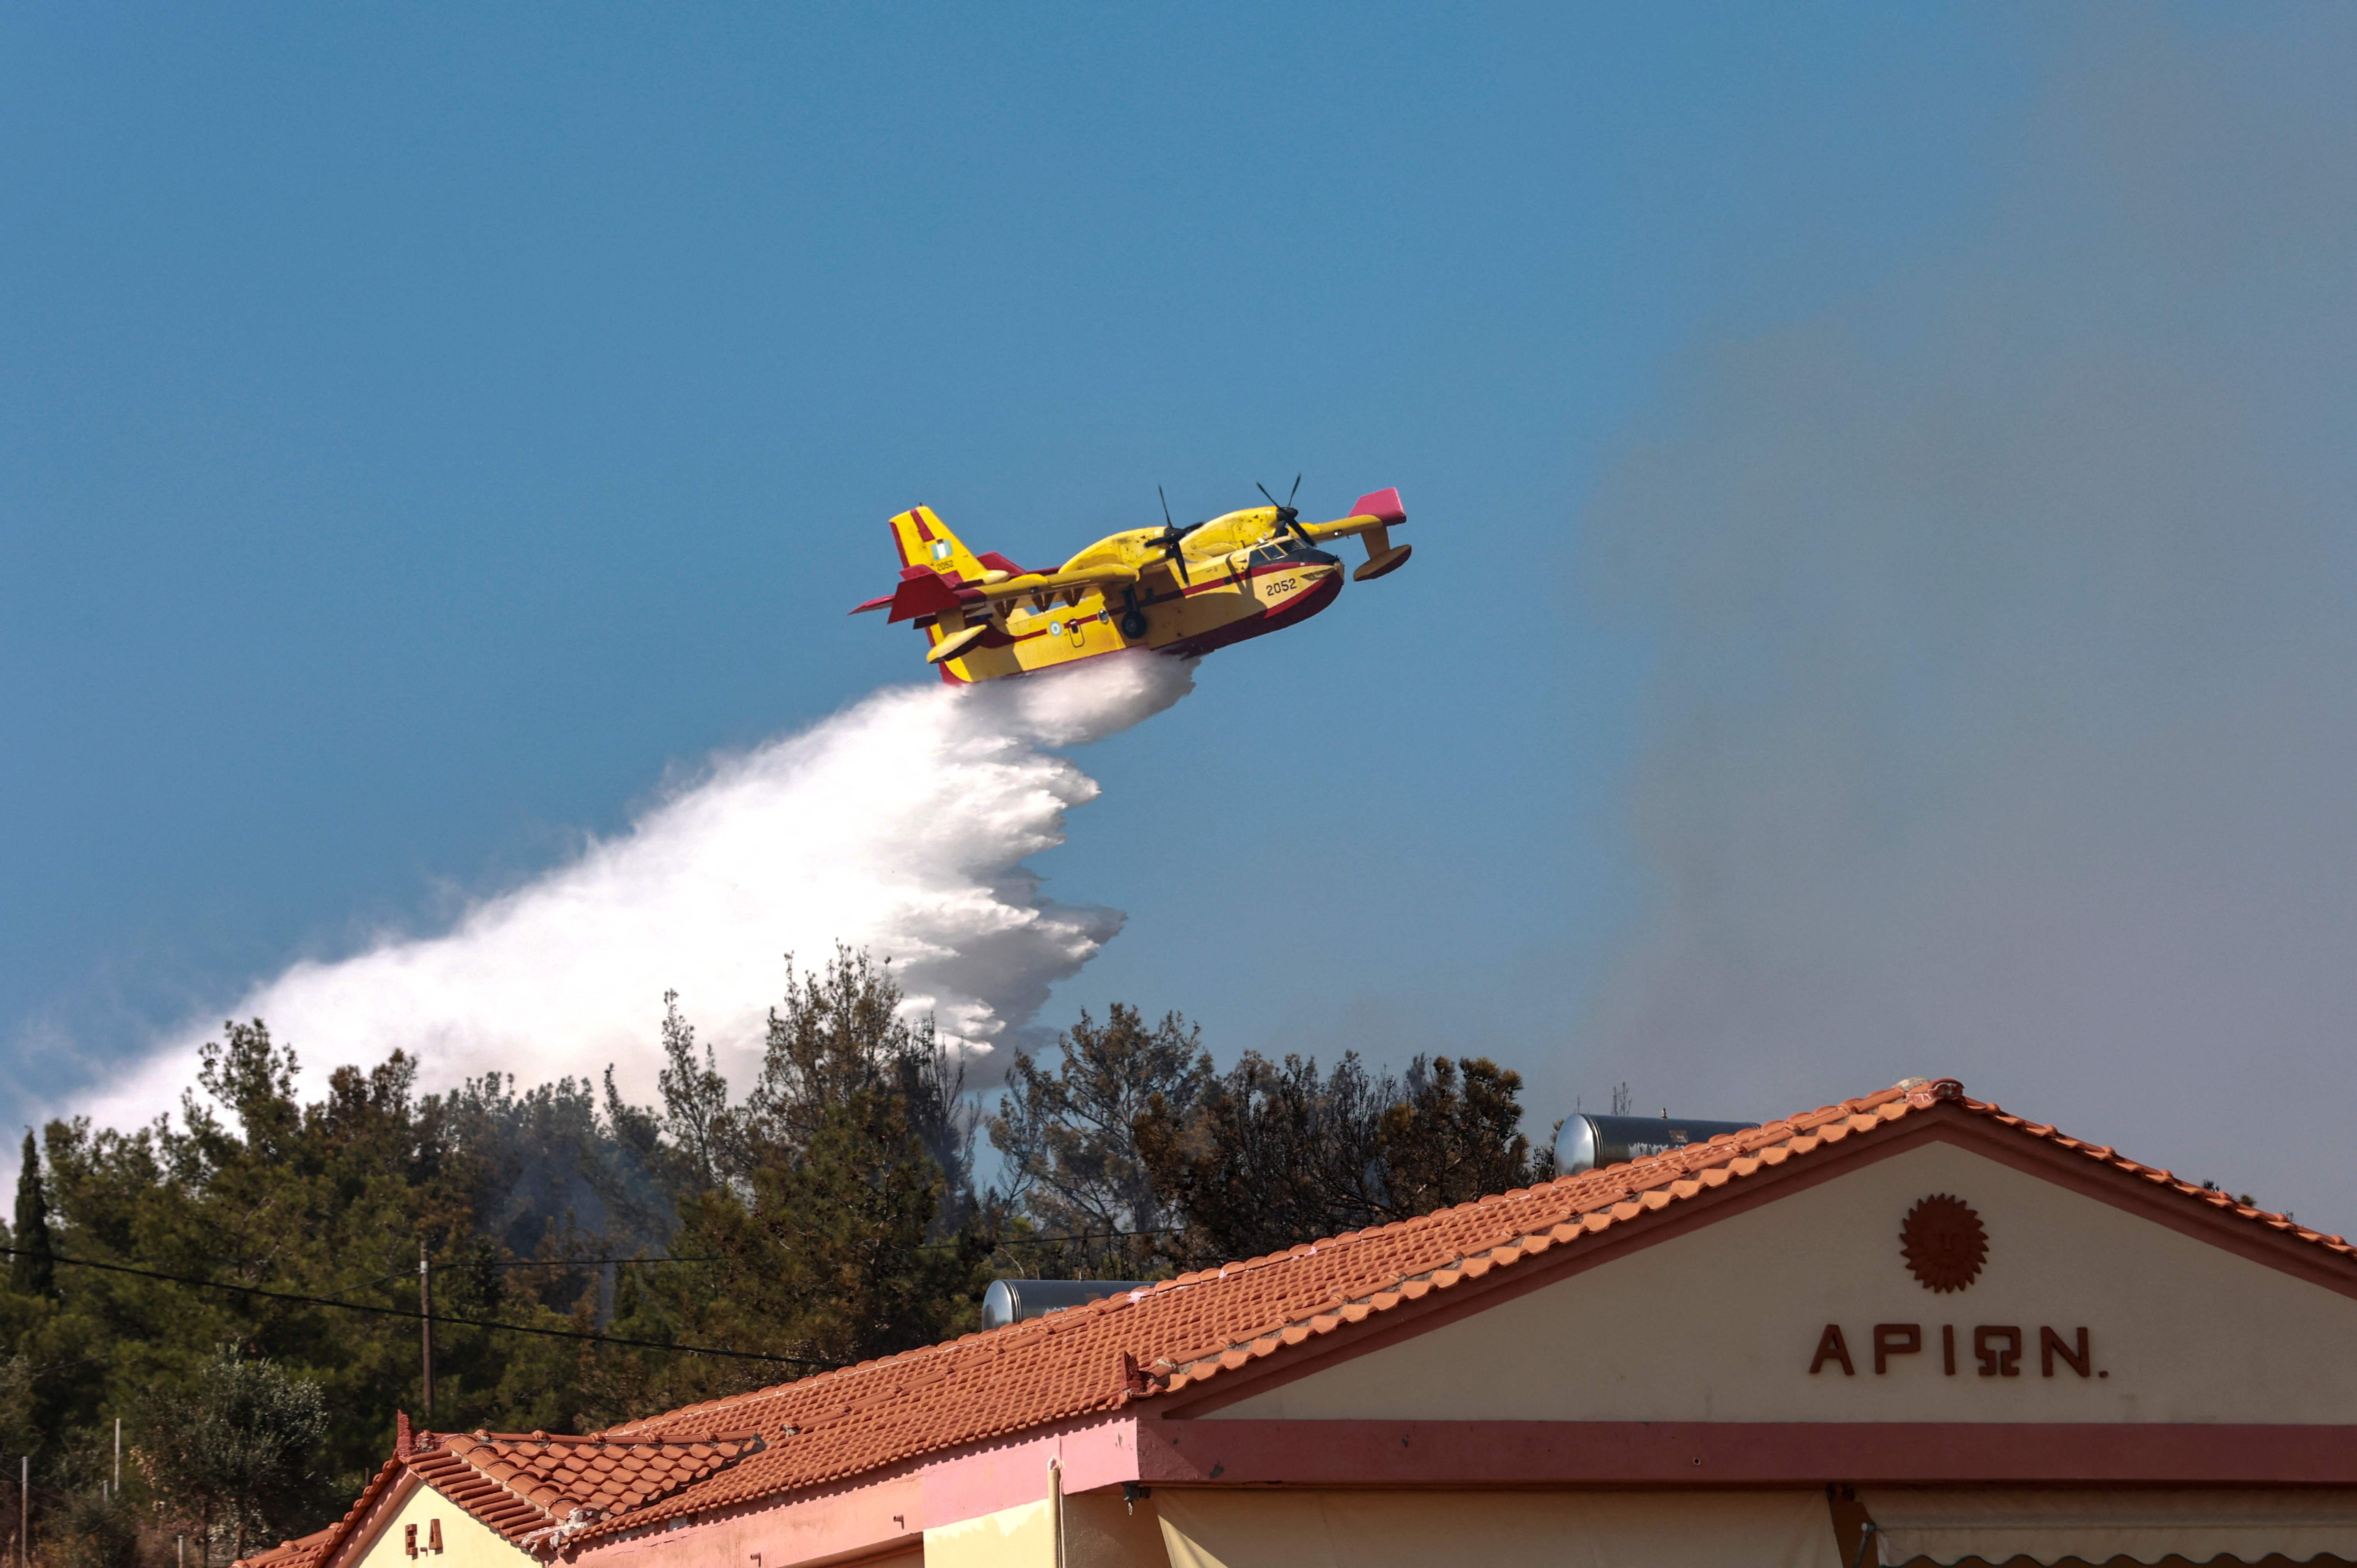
[(1029, 583), (924, 592)]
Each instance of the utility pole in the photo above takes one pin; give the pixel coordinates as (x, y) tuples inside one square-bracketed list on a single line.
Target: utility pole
[(426, 1325), (118, 1458), (23, 1510)]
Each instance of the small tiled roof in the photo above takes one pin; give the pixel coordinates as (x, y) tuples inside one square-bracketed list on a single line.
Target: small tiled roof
[(532, 1488), (522, 1485), (301, 1553), (314, 1547), (1177, 1334)]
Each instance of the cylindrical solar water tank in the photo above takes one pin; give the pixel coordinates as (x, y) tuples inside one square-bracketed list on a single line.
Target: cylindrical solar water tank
[(1012, 1301), (1591, 1142)]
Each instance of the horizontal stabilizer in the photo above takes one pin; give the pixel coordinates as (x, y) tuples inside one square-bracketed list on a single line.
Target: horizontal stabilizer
[(923, 595)]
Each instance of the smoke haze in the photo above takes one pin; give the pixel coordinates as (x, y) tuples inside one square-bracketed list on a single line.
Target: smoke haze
[(2002, 726), (899, 825)]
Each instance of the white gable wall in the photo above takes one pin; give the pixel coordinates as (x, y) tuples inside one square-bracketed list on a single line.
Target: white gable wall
[(466, 1541), (1721, 1323)]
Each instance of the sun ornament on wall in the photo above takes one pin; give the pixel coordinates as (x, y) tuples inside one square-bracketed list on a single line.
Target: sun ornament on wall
[(1945, 1244)]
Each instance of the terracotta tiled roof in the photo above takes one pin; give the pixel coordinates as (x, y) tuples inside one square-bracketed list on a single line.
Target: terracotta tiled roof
[(534, 1488), (1177, 1334), (522, 1486), (1180, 1333), (300, 1552), (314, 1547)]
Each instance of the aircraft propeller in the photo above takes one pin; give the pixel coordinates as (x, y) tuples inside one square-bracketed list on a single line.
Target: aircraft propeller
[(1287, 515), (1171, 536)]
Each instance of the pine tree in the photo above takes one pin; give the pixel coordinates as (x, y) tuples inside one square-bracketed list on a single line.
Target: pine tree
[(846, 1227), (1457, 1135), (31, 1269), (853, 1230), (1068, 1135), (1271, 1155)]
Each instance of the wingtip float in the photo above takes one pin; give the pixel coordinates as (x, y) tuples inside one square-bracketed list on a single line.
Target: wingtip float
[(1182, 591)]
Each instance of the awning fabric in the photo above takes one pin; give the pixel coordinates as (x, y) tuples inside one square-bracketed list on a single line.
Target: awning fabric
[(1021, 1537), (1274, 1528), (2198, 1524)]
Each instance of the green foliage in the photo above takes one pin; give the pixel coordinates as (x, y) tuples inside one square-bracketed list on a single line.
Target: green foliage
[(1071, 1158), (1271, 1155), (1454, 1134), (91, 1528), (839, 1032), (17, 1431), (30, 1272), (835, 1198), (829, 1257), (827, 1215), (332, 1199), (703, 1138), (237, 1444)]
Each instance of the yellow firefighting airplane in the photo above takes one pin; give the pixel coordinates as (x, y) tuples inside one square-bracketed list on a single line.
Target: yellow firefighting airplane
[(1184, 591)]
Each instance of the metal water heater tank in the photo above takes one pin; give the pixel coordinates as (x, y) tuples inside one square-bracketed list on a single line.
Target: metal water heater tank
[(1591, 1142), (1012, 1301)]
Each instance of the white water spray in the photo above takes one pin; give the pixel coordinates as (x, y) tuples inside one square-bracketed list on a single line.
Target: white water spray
[(901, 825)]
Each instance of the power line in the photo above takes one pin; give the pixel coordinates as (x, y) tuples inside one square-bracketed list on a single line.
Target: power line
[(1100, 1236), (1053, 1240), (481, 1268), (64, 1366), (414, 1316), (572, 1262), (536, 1263)]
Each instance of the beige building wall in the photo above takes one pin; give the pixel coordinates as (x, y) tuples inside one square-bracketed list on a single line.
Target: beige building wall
[(466, 1543), (1311, 1528), (1722, 1324)]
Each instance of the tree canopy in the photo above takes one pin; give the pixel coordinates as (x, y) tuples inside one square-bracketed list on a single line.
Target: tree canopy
[(239, 1283)]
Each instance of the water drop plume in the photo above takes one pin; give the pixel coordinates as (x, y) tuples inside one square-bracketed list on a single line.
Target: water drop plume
[(901, 825)]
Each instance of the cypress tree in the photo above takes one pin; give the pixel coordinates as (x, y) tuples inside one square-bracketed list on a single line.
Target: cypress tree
[(31, 1270)]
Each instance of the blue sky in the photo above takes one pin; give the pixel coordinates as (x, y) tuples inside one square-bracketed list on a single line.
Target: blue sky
[(421, 429)]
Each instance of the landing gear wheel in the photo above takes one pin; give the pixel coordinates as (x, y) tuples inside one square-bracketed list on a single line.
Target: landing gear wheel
[(1133, 625)]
